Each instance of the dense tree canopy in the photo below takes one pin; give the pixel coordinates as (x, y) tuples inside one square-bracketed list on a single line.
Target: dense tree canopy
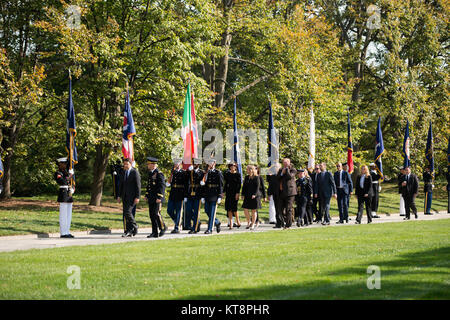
[(335, 56)]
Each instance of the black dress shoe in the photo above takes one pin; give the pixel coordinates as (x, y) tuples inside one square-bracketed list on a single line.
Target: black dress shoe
[(191, 232), (64, 236), (218, 227), (70, 236), (346, 221), (126, 234), (405, 218), (161, 233), (153, 235), (416, 216), (357, 222), (298, 224), (272, 222), (175, 231), (429, 213), (340, 222), (208, 232), (277, 227), (135, 231)]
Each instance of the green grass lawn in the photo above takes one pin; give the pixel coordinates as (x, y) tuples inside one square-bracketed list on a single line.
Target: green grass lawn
[(319, 263), (33, 218)]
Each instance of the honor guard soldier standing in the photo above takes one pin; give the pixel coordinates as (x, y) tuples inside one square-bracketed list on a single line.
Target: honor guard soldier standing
[(62, 177), (193, 196), (177, 184), (428, 190), (375, 190), (212, 194), (156, 186)]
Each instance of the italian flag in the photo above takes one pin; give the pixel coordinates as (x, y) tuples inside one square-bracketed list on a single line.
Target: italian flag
[(189, 129)]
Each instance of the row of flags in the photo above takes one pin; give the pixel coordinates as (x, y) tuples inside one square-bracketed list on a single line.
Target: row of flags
[(189, 133)]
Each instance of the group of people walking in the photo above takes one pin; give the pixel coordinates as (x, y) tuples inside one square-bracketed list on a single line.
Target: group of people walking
[(311, 194)]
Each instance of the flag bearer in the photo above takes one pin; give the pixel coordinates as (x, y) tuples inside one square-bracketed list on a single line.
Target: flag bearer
[(212, 195), (177, 186)]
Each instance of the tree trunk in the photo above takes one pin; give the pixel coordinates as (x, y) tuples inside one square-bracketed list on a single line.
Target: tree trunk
[(100, 164), (6, 194), (222, 71)]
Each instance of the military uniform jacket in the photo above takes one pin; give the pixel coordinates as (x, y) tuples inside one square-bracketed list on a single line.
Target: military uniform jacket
[(304, 188), (62, 178), (375, 179), (178, 185), (194, 189), (156, 186), (213, 187), (427, 182), (232, 183)]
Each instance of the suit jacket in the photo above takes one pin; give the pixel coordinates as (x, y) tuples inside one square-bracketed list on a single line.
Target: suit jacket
[(367, 189), (412, 186), (347, 184), (325, 186), (130, 188), (274, 185), (262, 188), (286, 185)]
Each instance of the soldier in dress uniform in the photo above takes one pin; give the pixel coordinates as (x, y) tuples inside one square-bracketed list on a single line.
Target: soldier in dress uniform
[(375, 190), (177, 184), (212, 183), (62, 177), (156, 186), (428, 190), (193, 197), (304, 192)]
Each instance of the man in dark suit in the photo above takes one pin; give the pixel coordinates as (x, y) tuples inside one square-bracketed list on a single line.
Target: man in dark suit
[(287, 190), (410, 188), (316, 200), (344, 186), (156, 186), (325, 188), (273, 191), (130, 192)]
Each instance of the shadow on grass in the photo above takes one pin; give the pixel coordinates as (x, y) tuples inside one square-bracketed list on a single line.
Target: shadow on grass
[(352, 283)]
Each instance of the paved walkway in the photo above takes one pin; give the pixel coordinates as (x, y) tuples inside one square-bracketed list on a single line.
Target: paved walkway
[(82, 238)]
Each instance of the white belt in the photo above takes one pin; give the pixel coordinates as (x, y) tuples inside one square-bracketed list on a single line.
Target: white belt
[(64, 187), (374, 181)]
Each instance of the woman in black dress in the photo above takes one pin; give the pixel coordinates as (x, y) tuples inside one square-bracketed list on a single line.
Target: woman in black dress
[(250, 190), (232, 188), (364, 193), (261, 195)]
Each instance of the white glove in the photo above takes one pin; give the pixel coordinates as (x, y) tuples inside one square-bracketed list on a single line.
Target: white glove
[(203, 200), (432, 186), (72, 190), (185, 199), (191, 167), (219, 200), (167, 184), (71, 171), (379, 188), (202, 183)]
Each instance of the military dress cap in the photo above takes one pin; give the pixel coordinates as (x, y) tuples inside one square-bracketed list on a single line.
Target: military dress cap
[(344, 164), (301, 170), (152, 160), (60, 160), (372, 164)]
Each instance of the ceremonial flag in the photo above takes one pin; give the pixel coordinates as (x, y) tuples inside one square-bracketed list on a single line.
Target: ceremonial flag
[(189, 131), (273, 142), (129, 131), (71, 131), (429, 150), (236, 150), (406, 152), (312, 142), (1, 168), (349, 146), (379, 150)]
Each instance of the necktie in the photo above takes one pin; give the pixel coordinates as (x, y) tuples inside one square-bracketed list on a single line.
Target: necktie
[(126, 176)]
